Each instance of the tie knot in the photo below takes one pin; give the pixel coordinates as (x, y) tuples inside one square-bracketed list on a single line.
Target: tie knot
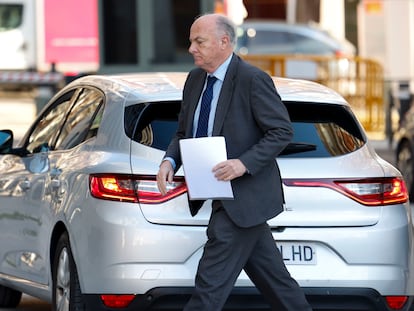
[(211, 80)]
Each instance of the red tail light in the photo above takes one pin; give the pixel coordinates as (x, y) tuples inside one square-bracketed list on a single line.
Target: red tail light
[(117, 301), (396, 302), (133, 188), (368, 191)]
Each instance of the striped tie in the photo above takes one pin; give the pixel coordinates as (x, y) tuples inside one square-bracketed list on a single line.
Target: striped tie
[(202, 125)]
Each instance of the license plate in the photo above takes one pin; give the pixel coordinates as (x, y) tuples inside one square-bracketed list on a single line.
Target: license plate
[(297, 253)]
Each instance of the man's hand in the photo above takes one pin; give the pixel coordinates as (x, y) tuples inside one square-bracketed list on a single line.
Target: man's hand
[(229, 170), (165, 174)]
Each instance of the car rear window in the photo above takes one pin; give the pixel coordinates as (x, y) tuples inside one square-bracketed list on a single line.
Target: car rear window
[(157, 123), (320, 130)]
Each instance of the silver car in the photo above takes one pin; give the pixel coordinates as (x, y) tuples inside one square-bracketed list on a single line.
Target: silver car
[(83, 226), (279, 37)]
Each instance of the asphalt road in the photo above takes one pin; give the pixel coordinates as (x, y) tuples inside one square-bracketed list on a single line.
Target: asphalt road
[(29, 303)]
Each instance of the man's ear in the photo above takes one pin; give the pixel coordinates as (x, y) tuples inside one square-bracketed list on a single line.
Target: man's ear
[(224, 42)]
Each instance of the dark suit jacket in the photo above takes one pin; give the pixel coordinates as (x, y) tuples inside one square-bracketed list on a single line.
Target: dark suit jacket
[(256, 126)]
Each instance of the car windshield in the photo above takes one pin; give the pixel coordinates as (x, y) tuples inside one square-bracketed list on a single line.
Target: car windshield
[(320, 130)]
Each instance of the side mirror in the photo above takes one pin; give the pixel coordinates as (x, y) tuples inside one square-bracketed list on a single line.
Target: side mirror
[(6, 141)]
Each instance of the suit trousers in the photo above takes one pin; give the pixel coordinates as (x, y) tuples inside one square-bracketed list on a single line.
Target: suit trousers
[(228, 250)]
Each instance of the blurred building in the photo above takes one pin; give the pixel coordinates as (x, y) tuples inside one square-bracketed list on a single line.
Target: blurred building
[(152, 35), (386, 33)]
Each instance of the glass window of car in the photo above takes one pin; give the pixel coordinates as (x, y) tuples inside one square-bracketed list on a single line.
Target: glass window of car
[(48, 125), (307, 45), (255, 41), (281, 42), (320, 130), (83, 120), (157, 123)]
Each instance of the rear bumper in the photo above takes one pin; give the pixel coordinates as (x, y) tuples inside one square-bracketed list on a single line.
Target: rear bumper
[(248, 298)]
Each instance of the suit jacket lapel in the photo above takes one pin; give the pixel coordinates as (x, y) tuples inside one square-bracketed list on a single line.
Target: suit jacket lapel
[(226, 95), (195, 93)]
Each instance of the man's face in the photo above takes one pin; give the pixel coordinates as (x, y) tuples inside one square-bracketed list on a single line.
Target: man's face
[(205, 45)]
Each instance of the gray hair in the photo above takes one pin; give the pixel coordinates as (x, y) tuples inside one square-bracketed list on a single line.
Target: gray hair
[(225, 25)]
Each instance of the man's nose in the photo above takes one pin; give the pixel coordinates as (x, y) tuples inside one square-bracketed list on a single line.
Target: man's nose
[(191, 48)]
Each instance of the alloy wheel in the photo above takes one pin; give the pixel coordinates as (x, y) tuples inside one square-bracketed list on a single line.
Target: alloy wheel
[(63, 281)]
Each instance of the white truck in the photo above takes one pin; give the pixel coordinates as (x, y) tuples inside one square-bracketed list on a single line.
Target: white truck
[(43, 40)]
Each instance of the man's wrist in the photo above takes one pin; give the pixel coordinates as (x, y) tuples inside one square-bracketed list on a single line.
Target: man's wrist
[(171, 160)]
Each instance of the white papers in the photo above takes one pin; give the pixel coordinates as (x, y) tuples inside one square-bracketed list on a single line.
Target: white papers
[(199, 156)]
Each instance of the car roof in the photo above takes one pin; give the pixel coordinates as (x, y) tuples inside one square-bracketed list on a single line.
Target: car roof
[(159, 86), (282, 25)]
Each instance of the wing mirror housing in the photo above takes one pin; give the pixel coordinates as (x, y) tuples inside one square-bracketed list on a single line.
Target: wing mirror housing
[(6, 141)]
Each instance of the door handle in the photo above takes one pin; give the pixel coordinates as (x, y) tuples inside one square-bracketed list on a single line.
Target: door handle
[(55, 183), (54, 177), (25, 184)]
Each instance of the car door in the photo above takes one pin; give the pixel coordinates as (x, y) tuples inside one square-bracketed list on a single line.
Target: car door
[(80, 123), (25, 215), (67, 160), (37, 183)]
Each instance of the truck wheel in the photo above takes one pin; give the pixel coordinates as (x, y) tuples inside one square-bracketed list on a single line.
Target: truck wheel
[(9, 298), (67, 295)]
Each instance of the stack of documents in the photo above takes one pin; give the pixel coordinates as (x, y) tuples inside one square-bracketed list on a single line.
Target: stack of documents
[(199, 156)]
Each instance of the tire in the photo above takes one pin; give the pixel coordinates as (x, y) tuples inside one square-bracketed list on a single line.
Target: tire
[(405, 163), (67, 295), (9, 298)]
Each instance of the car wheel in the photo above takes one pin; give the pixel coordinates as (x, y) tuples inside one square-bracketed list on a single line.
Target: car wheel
[(405, 164), (9, 298), (67, 295)]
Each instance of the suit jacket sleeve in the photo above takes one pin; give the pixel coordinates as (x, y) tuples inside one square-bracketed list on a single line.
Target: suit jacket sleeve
[(272, 129), (185, 122)]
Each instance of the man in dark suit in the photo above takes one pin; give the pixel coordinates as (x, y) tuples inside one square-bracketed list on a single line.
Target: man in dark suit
[(247, 110)]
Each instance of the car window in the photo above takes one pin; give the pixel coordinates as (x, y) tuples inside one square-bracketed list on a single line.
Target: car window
[(307, 45), (82, 122), (322, 130), (152, 124), (280, 41), (48, 125), (266, 41)]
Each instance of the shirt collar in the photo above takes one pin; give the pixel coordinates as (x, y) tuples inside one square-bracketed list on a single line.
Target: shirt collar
[(222, 69)]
